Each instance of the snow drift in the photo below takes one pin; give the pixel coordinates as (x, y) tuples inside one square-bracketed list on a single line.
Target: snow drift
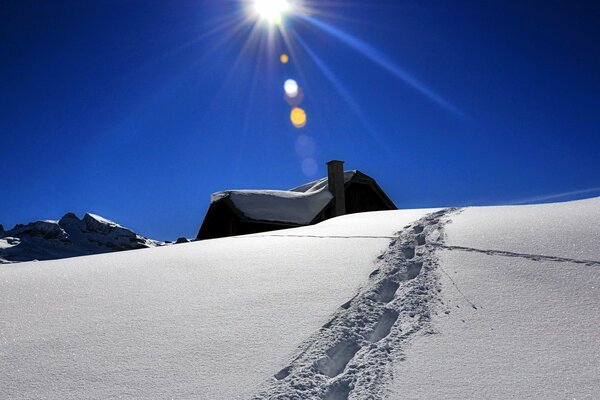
[(490, 302)]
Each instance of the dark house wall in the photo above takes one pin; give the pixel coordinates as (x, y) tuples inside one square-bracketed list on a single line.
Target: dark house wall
[(362, 197), (222, 221)]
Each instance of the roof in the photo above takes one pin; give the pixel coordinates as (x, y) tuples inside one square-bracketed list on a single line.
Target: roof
[(297, 206), (322, 183), (277, 205)]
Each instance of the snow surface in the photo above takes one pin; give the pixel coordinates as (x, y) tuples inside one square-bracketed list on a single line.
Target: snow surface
[(533, 274), (211, 319), (489, 302), (352, 353)]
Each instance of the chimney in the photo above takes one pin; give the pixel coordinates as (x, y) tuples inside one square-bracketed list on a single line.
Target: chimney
[(335, 180)]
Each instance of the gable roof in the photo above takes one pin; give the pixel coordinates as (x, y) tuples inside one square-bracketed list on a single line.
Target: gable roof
[(323, 183), (276, 205), (297, 206)]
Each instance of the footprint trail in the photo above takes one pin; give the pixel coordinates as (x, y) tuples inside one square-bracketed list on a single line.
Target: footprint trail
[(350, 356)]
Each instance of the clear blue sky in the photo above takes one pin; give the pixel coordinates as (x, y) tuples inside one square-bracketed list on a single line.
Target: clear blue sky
[(138, 110)]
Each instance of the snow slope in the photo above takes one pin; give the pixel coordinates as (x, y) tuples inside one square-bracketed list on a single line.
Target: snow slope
[(533, 274), (209, 320), (490, 302)]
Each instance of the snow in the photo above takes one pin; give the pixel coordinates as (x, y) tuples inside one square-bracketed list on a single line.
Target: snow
[(533, 336), (535, 331), (299, 205), (321, 183), (68, 237), (8, 242), (211, 319), (103, 220), (352, 353), (483, 302), (278, 205), (569, 229)]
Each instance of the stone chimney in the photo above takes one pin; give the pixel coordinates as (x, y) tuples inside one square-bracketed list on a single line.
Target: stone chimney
[(335, 178)]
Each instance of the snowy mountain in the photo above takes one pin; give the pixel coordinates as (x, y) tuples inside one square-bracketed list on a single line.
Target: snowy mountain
[(68, 237), (473, 303)]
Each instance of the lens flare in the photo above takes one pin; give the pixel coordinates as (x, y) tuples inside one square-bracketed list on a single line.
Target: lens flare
[(291, 88), (298, 117), (305, 146), (309, 166), (284, 58), (296, 100)]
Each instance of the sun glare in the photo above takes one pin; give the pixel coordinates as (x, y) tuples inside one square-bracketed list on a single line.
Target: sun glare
[(272, 10)]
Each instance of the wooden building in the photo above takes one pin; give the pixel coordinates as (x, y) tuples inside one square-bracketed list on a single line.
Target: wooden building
[(239, 212)]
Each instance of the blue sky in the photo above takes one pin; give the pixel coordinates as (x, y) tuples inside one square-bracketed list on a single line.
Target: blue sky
[(138, 110)]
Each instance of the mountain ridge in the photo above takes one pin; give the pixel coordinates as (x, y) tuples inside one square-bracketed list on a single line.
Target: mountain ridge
[(68, 237)]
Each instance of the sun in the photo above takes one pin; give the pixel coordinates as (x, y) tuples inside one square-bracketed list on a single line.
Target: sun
[(272, 10)]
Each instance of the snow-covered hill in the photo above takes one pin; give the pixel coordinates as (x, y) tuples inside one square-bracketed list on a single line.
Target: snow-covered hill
[(533, 275), (68, 237), (491, 302)]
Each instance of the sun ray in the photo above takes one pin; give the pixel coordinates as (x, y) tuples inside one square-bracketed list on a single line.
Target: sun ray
[(247, 115), (344, 93), (254, 39), (383, 61)]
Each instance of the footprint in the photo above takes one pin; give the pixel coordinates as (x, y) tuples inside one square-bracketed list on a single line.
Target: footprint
[(329, 323), (337, 358), (337, 391), (333, 360), (347, 304), (386, 291), (384, 325), (284, 373), (409, 252), (413, 270)]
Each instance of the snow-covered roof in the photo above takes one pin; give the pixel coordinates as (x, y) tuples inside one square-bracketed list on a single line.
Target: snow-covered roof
[(278, 205), (299, 205), (321, 183)]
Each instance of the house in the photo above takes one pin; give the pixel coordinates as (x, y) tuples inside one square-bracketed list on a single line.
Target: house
[(239, 212)]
